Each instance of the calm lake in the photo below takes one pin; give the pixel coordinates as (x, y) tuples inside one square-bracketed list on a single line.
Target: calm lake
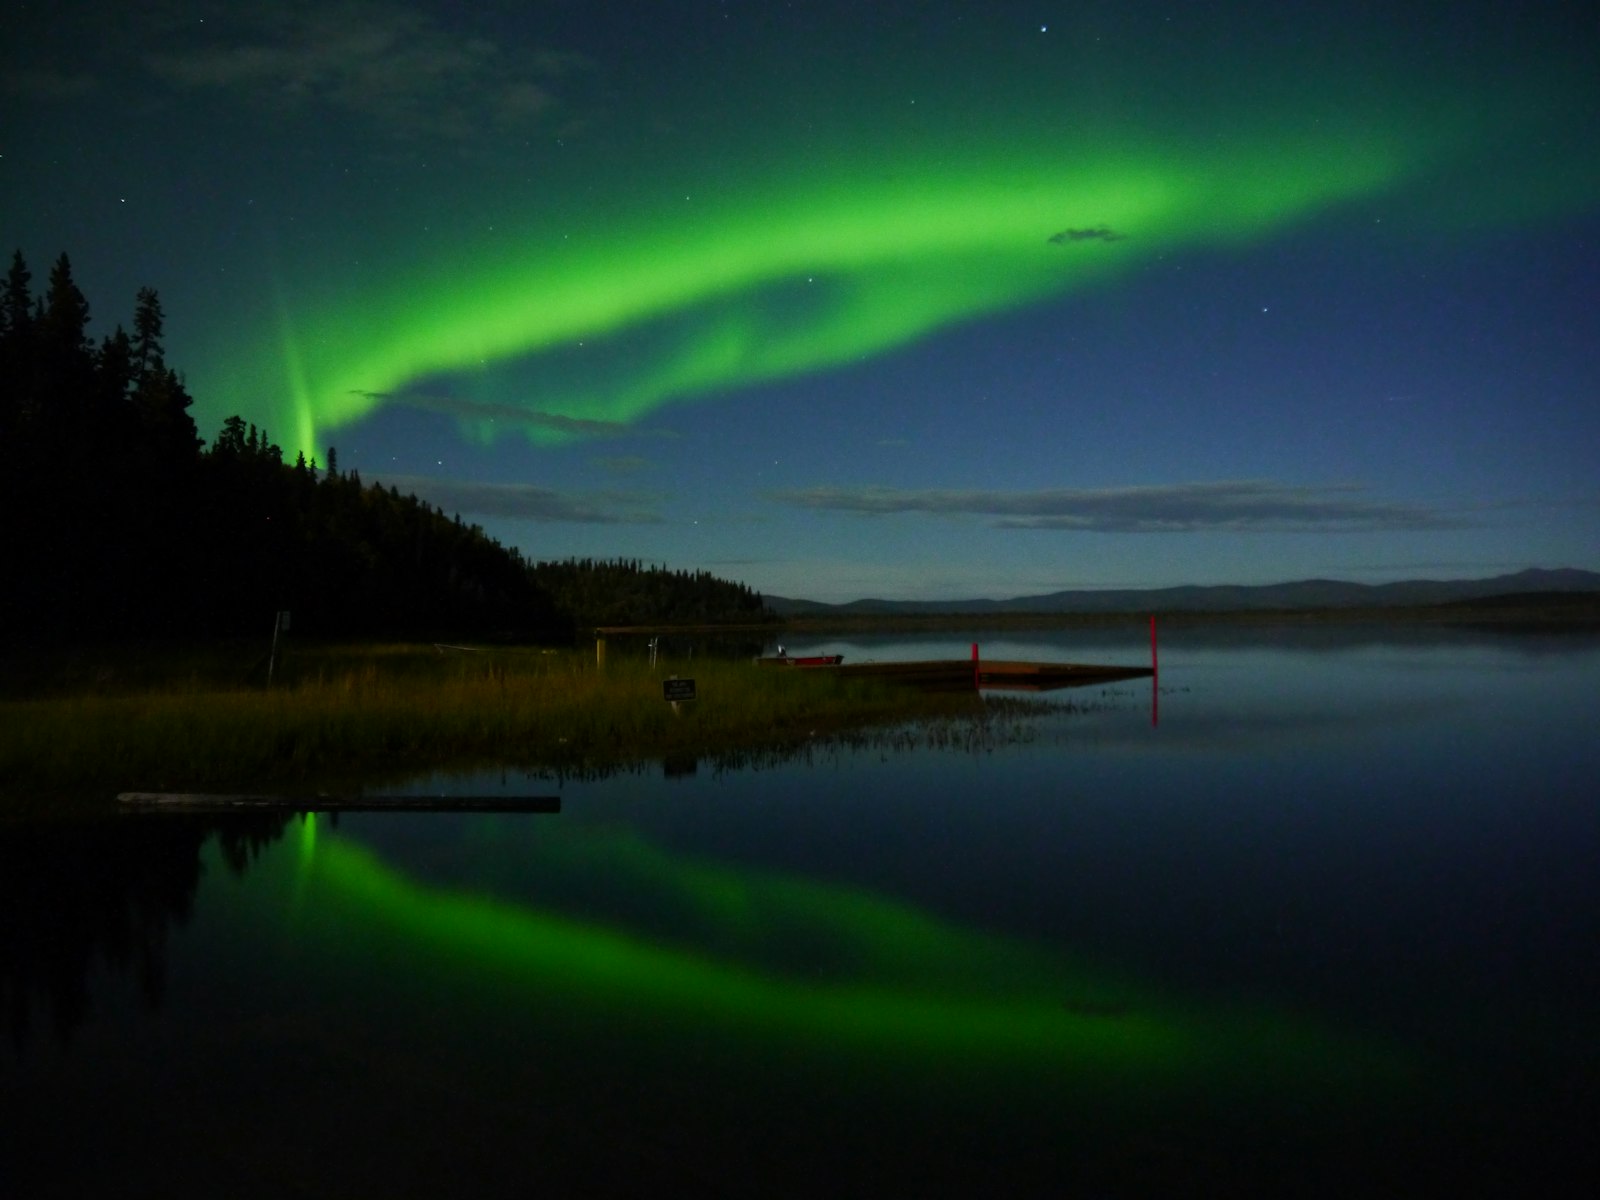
[(1330, 923)]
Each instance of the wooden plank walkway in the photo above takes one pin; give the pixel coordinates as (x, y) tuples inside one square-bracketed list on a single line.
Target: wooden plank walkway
[(997, 673), (203, 802)]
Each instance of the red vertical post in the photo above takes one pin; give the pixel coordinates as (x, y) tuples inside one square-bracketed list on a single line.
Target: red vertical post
[(1155, 676), (977, 679)]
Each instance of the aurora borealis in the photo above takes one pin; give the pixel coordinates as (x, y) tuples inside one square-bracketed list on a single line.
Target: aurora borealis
[(807, 295)]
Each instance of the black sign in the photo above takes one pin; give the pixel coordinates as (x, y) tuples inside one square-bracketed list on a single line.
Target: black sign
[(677, 689)]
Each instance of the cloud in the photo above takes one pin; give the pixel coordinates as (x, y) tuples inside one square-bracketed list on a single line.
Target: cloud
[(1454, 566), (1247, 506), (388, 62), (622, 464), (525, 502), (1099, 233), (47, 83), (473, 410)]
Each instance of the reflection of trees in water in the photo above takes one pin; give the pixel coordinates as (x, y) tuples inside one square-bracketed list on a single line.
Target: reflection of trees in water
[(108, 892), (1000, 720), (74, 895)]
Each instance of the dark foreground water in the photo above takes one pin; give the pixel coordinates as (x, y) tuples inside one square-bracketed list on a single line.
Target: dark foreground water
[(1332, 925)]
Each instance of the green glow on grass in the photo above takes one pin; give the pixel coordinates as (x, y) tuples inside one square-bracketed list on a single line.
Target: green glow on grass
[(890, 983)]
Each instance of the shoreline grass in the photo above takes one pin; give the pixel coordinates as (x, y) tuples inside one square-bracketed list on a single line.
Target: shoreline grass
[(348, 716)]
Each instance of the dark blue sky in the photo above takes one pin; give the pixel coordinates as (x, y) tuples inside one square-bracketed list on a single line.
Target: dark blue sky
[(914, 300)]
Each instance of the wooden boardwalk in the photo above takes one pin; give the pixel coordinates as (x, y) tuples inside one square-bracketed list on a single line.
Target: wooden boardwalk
[(999, 673), (204, 802)]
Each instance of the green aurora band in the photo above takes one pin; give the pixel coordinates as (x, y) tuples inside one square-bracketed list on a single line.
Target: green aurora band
[(902, 987), (891, 262), (788, 227)]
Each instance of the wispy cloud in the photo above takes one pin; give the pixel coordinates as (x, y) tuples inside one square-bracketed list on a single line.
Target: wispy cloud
[(48, 83), (1097, 233), (1451, 567), (389, 62), (474, 410), (622, 464), (1246, 506), (525, 502)]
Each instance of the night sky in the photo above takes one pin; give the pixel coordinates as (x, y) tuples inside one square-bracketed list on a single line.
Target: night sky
[(914, 300)]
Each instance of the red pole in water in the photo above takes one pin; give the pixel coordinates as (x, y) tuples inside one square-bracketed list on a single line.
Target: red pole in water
[(1154, 674), (977, 679)]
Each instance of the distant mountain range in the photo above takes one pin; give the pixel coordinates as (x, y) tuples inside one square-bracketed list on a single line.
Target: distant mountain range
[(1306, 593)]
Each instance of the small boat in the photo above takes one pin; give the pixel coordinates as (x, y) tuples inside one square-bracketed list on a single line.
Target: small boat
[(803, 660)]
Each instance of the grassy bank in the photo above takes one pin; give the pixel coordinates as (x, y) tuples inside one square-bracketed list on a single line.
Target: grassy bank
[(340, 717)]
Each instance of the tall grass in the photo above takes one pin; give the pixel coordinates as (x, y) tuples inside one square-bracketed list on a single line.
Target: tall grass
[(341, 716)]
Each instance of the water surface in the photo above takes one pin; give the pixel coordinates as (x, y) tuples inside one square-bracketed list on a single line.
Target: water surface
[(1329, 924)]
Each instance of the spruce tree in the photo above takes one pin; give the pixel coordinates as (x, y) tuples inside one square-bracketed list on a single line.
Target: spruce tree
[(16, 306), (66, 359), (65, 327), (230, 438), (147, 331)]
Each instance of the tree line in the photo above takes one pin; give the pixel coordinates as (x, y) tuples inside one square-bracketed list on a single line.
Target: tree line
[(626, 592), (118, 520)]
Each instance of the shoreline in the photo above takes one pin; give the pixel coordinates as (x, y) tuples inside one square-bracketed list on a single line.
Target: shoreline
[(1556, 611), (359, 719)]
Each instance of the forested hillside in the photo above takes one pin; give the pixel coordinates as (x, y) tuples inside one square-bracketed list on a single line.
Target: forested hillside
[(117, 520), (623, 592)]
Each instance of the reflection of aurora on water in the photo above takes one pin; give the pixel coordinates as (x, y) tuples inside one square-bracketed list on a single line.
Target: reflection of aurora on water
[(875, 979)]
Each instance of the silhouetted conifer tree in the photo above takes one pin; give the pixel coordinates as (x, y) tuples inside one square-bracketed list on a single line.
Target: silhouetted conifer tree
[(230, 438), (16, 306), (134, 528), (148, 327)]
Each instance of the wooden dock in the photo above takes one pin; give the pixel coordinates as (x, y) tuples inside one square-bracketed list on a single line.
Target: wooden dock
[(1012, 676), (200, 802)]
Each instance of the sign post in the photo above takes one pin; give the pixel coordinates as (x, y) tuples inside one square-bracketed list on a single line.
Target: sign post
[(677, 691), (280, 621)]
